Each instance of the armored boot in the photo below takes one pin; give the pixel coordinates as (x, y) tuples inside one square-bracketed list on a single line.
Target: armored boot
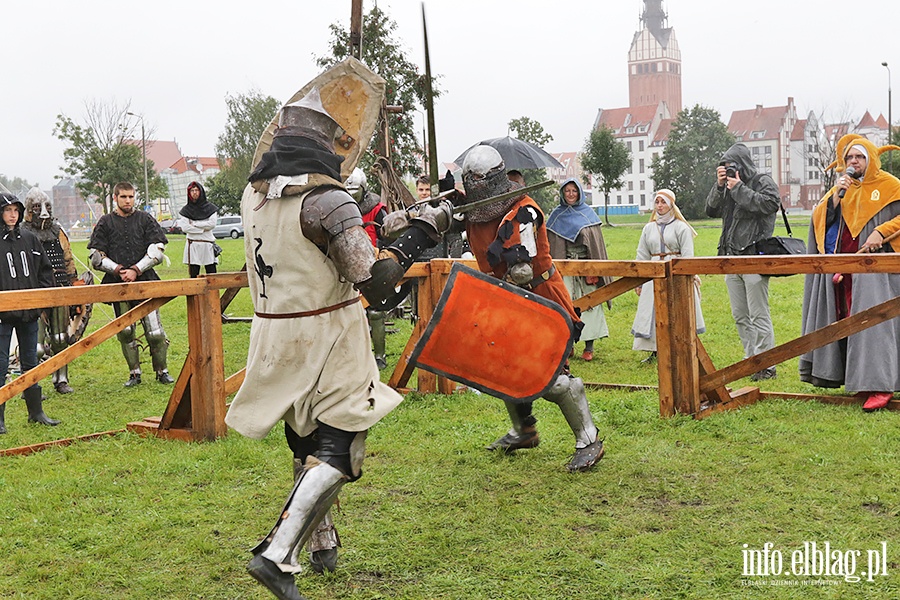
[(523, 434), (35, 406), (376, 324), (2, 418), (158, 343), (324, 541), (132, 355), (568, 393), (61, 380), (274, 561)]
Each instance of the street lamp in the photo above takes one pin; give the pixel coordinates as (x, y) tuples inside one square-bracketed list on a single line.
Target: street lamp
[(144, 151), (890, 122)]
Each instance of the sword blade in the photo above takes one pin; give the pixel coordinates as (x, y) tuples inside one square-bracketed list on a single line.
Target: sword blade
[(458, 210), (433, 174)]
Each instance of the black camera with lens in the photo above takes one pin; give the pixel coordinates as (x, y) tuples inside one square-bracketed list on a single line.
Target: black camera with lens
[(730, 169)]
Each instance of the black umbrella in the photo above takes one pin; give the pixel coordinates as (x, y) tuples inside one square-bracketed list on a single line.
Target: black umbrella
[(516, 154)]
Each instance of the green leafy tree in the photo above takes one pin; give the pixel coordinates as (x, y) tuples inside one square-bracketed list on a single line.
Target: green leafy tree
[(890, 161), (687, 166), (100, 152), (14, 184), (607, 159), (248, 116), (406, 87), (531, 131)]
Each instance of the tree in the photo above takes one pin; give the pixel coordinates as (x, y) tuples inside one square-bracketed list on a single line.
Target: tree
[(405, 86), (687, 166), (248, 116), (531, 131), (100, 152), (14, 184), (890, 161), (607, 159)]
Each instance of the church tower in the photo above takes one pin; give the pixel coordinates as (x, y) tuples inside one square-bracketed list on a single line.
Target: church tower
[(654, 62)]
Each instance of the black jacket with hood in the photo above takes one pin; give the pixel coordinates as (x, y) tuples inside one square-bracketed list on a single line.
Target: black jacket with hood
[(748, 210), (23, 265)]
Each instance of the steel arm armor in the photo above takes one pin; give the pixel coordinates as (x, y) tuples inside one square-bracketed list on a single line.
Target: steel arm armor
[(152, 258), (326, 215), (101, 262)]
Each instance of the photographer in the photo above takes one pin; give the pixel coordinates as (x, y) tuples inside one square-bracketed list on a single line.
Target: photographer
[(747, 201)]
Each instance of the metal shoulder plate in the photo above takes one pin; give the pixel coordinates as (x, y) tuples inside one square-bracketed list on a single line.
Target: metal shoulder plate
[(328, 213)]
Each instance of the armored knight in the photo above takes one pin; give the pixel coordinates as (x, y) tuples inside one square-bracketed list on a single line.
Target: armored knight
[(312, 257), (53, 331), (126, 244), (373, 212), (509, 241)]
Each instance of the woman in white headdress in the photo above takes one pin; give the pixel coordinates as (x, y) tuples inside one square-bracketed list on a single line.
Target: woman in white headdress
[(667, 234)]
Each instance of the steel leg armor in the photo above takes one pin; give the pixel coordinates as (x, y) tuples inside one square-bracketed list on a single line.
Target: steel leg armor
[(156, 339), (568, 393), (324, 541), (376, 324), (522, 434), (57, 334), (312, 496)]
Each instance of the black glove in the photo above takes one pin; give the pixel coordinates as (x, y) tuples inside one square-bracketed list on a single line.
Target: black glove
[(447, 183)]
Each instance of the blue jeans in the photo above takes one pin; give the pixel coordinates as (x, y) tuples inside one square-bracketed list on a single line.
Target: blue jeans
[(27, 336)]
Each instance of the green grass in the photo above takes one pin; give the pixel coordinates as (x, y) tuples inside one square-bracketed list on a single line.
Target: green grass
[(664, 515)]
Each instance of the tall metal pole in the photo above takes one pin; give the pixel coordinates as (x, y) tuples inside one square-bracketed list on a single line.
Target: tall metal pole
[(144, 152), (890, 121)]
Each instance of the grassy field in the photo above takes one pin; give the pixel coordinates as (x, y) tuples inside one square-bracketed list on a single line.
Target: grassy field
[(669, 513)]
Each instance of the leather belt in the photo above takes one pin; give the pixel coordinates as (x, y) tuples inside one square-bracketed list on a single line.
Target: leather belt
[(540, 278), (309, 313)]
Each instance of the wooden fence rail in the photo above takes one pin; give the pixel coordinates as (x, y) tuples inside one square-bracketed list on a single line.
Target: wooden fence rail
[(689, 383)]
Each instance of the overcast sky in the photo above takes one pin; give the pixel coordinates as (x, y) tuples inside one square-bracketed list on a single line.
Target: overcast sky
[(555, 61)]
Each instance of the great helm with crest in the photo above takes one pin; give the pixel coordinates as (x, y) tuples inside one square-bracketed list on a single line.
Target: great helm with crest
[(308, 118)]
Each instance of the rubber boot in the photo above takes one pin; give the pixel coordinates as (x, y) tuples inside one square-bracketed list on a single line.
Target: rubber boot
[(35, 406), (2, 418)]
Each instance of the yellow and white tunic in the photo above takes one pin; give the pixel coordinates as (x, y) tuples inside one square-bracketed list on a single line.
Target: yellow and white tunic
[(302, 368)]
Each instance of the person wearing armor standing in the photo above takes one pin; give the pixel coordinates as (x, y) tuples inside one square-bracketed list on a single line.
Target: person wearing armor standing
[(23, 265), (311, 257), (509, 241), (197, 220), (373, 211), (53, 326), (126, 244)]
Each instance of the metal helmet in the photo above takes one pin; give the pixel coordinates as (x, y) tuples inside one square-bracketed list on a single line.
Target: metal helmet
[(7, 199), (356, 184), (38, 207), (308, 118), (484, 176)]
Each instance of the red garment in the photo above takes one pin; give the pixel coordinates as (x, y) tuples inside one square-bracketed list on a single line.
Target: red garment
[(369, 222), (844, 288), (482, 235)]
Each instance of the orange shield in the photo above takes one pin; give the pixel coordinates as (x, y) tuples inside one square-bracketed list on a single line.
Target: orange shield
[(495, 337)]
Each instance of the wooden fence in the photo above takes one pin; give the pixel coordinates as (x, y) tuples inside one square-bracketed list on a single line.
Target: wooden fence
[(689, 383)]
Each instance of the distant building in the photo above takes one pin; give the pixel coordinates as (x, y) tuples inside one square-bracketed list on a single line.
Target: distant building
[(177, 171), (637, 128), (654, 62), (654, 94), (72, 210)]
